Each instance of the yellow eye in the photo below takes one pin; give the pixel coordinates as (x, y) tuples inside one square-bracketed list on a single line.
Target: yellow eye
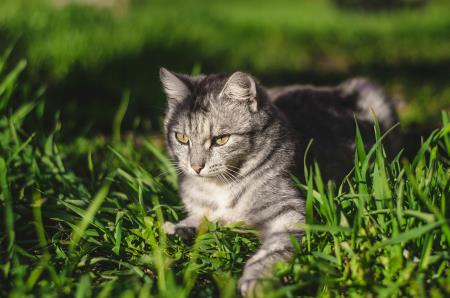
[(222, 140), (182, 138)]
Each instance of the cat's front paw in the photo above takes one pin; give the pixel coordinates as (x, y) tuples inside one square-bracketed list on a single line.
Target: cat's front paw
[(169, 228), (247, 287), (183, 231)]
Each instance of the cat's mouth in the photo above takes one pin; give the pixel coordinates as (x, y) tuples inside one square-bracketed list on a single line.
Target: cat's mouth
[(204, 175), (222, 176), (219, 172)]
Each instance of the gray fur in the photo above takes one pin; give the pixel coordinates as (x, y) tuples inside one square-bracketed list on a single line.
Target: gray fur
[(248, 178)]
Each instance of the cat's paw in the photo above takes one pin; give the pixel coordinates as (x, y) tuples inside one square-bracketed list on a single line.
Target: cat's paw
[(183, 231), (247, 287), (169, 228)]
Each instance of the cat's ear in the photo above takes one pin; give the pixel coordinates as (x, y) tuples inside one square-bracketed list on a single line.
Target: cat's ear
[(242, 87), (177, 87)]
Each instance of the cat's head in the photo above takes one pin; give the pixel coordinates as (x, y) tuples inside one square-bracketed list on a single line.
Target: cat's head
[(213, 123)]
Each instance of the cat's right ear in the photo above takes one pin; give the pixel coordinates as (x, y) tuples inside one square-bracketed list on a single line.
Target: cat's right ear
[(176, 87)]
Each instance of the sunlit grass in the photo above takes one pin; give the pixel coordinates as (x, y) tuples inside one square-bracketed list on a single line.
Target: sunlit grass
[(98, 53), (84, 219)]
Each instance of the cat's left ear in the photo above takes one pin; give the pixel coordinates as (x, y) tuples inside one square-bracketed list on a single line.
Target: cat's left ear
[(241, 86), (177, 87)]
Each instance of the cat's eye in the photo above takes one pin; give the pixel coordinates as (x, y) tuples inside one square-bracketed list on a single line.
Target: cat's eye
[(182, 138), (222, 140)]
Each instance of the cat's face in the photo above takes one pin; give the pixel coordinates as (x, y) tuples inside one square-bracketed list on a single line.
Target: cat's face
[(211, 123)]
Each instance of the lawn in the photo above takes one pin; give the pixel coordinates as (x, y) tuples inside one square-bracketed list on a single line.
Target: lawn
[(85, 182), (84, 219)]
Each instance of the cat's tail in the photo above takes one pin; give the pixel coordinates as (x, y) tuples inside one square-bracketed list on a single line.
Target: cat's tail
[(369, 100)]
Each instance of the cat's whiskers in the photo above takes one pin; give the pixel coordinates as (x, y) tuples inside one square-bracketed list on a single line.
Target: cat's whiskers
[(178, 170), (233, 178)]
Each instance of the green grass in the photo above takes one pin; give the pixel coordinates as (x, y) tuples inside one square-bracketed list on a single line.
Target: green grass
[(286, 35), (83, 218), (96, 54)]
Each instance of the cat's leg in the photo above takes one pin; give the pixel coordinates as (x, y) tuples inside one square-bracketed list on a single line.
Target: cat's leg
[(185, 228), (276, 246)]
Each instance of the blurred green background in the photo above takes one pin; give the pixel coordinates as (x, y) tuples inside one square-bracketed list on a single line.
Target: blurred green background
[(87, 53)]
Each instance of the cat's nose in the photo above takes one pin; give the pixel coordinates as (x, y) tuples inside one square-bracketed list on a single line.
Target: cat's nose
[(198, 168)]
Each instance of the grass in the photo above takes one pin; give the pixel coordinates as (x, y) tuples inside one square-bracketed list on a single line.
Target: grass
[(87, 56), (83, 218), (293, 34)]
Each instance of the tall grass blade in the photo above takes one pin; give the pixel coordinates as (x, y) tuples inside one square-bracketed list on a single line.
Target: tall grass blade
[(120, 114), (90, 213)]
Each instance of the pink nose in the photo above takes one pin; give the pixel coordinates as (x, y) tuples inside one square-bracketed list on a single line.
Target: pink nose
[(197, 168)]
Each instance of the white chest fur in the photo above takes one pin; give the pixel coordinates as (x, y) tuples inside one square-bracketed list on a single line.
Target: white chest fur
[(208, 199)]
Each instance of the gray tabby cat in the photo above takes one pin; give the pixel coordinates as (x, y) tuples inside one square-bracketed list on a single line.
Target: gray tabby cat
[(236, 144)]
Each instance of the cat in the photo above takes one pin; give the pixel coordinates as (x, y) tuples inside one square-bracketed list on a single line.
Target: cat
[(235, 145)]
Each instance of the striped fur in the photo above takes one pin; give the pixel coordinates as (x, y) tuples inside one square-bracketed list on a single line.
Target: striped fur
[(248, 178)]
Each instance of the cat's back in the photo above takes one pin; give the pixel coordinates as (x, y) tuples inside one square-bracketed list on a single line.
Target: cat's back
[(310, 107), (358, 97), (327, 116)]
